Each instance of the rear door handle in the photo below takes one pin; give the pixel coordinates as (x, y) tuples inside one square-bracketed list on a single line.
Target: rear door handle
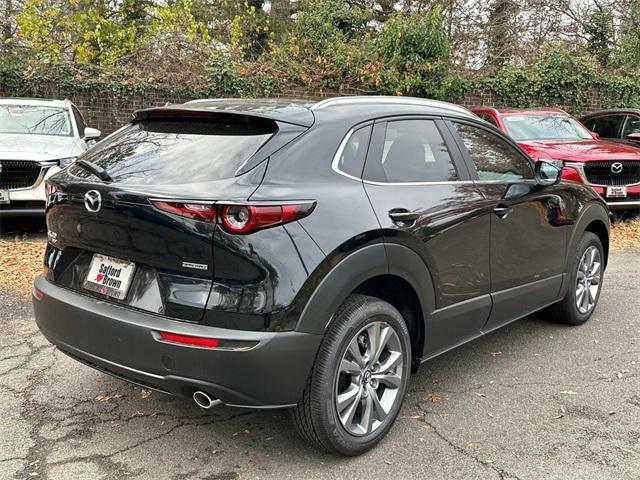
[(403, 216), (501, 211)]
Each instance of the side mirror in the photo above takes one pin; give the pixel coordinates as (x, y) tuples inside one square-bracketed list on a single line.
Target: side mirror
[(546, 173), (92, 133), (634, 137)]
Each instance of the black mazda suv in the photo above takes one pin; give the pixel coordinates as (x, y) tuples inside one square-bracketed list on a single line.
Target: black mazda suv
[(272, 253)]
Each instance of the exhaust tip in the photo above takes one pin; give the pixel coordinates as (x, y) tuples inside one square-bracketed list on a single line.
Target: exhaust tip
[(204, 400)]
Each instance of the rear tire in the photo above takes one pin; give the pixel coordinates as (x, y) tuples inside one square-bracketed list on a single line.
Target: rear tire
[(358, 380), (585, 283)]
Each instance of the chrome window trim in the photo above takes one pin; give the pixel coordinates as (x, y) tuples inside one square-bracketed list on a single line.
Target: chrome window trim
[(345, 140), (336, 157)]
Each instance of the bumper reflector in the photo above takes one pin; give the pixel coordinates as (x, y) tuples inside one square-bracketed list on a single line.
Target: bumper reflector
[(189, 340)]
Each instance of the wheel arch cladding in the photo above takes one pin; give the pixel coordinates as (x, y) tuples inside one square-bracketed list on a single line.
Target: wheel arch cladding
[(391, 272), (594, 219)]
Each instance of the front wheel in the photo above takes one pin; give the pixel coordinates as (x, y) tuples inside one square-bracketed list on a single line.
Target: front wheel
[(585, 283), (359, 378)]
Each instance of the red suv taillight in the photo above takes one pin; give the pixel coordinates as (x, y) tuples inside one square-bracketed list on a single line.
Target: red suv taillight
[(238, 218)]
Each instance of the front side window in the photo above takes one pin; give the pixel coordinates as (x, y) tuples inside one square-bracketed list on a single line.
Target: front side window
[(35, 120), (494, 159), (544, 127), (608, 126), (79, 122), (632, 125), (412, 151)]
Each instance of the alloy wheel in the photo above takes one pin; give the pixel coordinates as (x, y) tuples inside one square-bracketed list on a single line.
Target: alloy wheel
[(369, 378), (588, 280)]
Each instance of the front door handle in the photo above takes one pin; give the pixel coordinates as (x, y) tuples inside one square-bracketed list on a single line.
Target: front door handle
[(501, 211), (403, 216)]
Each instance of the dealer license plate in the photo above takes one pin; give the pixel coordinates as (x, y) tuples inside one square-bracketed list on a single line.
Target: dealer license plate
[(109, 276), (616, 192)]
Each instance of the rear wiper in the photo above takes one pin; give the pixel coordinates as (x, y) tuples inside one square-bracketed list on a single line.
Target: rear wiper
[(99, 172)]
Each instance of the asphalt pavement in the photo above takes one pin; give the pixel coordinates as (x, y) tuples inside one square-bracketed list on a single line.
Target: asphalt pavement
[(534, 400)]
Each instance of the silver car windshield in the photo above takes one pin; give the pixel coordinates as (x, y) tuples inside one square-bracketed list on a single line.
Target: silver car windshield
[(35, 120)]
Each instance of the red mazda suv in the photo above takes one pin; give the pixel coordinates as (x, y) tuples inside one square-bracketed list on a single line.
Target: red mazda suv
[(611, 169)]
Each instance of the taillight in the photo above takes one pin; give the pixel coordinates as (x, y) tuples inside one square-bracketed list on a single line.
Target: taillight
[(204, 211), (189, 339), (248, 218), (238, 218)]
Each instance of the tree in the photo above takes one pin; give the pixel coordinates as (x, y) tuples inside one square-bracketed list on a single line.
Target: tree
[(501, 41)]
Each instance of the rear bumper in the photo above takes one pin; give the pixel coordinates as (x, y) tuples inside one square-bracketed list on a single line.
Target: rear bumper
[(123, 343)]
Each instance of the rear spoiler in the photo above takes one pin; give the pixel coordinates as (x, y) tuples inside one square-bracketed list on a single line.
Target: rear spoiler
[(292, 114)]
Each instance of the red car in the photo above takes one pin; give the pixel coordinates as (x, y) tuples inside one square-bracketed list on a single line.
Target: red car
[(611, 169)]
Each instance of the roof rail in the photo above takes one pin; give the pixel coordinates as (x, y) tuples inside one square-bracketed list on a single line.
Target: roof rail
[(390, 100)]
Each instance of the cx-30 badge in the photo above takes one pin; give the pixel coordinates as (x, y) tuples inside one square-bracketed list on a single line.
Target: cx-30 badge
[(616, 167), (93, 201)]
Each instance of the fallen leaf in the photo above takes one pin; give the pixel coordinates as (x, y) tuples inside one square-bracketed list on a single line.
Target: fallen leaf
[(145, 393), (495, 354), (107, 397), (432, 397), (388, 462), (413, 417), (480, 394), (488, 461), (242, 432), (569, 392), (595, 341), (216, 451)]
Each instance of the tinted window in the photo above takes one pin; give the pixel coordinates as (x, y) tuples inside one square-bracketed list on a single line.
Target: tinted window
[(608, 126), (632, 125), (494, 158), (352, 157), (79, 122), (412, 151), (175, 152), (35, 120), (589, 123)]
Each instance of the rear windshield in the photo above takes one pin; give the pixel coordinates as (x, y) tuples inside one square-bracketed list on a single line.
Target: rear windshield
[(162, 152)]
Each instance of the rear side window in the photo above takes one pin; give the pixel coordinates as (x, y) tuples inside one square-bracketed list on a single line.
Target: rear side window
[(493, 158), (412, 151), (169, 151), (353, 154)]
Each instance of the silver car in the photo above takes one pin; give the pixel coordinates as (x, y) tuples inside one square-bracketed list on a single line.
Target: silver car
[(37, 138)]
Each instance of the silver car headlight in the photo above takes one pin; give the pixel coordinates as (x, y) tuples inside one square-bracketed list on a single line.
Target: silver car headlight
[(65, 162)]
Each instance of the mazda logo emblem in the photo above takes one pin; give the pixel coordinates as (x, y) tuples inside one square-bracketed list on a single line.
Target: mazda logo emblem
[(616, 167), (93, 201)]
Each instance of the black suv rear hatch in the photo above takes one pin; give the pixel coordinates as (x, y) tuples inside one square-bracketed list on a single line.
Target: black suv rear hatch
[(163, 154)]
